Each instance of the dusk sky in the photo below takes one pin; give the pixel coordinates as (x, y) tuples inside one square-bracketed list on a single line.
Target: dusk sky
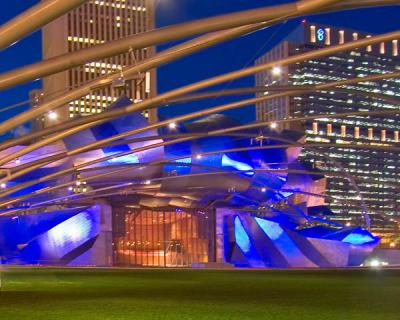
[(226, 57)]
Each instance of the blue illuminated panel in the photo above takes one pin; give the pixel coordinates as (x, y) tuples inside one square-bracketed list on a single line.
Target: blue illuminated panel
[(128, 159), (184, 160), (354, 238), (276, 244), (272, 229), (67, 236), (241, 237), (241, 166)]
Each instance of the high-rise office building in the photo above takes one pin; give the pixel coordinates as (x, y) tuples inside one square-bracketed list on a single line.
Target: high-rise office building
[(96, 22), (371, 180)]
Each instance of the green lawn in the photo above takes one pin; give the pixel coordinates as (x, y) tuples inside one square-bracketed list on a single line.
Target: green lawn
[(93, 294)]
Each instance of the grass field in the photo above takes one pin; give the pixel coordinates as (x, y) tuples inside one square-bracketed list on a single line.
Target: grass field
[(93, 294)]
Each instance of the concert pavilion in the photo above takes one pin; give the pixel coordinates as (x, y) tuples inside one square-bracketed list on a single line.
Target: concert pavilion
[(100, 181), (201, 193)]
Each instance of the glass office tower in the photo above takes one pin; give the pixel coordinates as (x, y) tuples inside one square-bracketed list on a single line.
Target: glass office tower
[(359, 180)]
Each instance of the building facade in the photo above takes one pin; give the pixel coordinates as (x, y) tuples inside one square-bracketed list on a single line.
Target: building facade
[(93, 23), (371, 180)]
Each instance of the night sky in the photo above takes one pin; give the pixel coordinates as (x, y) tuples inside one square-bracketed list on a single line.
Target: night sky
[(226, 57)]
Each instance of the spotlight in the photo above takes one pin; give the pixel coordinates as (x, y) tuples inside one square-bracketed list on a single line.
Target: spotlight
[(198, 157), (276, 71), (375, 263), (147, 182), (273, 125), (17, 161), (263, 189), (392, 244), (348, 224), (70, 188), (172, 125), (52, 115), (3, 185)]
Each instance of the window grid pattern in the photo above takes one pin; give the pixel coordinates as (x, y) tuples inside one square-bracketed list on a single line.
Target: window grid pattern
[(376, 172), (170, 238)]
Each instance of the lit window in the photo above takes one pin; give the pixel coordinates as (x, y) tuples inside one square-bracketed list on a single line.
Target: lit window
[(148, 82), (382, 48), (355, 36), (396, 136), (369, 48), (395, 48), (343, 131), (383, 135), (329, 129), (341, 36), (315, 128), (327, 36), (356, 132), (313, 37), (370, 133)]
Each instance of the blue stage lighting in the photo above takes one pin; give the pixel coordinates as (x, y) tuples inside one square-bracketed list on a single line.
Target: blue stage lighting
[(271, 229), (356, 238), (241, 237), (241, 166)]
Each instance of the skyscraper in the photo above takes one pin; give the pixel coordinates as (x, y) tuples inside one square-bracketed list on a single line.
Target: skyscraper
[(93, 23), (370, 182)]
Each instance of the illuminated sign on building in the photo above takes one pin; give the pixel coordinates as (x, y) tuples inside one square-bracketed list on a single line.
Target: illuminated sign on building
[(320, 34)]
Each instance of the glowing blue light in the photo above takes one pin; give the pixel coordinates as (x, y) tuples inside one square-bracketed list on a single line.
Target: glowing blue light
[(285, 194), (271, 229), (241, 166), (241, 237), (320, 34), (355, 238), (284, 179), (184, 160), (130, 158), (74, 230)]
